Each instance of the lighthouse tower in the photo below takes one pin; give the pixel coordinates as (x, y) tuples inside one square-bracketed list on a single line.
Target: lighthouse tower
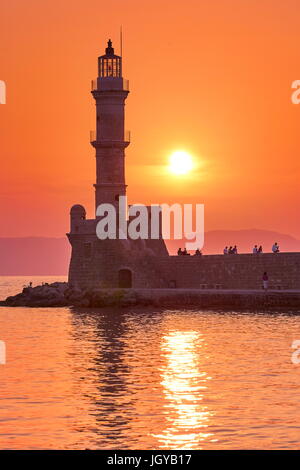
[(110, 91), (97, 263)]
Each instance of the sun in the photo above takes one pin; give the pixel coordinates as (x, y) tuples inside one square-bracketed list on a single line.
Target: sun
[(181, 162)]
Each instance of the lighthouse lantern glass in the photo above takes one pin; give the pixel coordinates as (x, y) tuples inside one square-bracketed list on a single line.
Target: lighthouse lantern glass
[(110, 67)]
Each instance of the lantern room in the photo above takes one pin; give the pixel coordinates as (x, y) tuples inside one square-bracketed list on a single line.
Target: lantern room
[(109, 65)]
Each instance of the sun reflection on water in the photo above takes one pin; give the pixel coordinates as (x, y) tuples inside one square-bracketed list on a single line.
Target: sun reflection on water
[(184, 384)]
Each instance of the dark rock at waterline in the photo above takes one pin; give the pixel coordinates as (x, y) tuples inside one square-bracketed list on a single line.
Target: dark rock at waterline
[(46, 295), (61, 294)]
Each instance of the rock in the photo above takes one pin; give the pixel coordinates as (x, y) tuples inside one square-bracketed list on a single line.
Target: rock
[(46, 295), (61, 294), (128, 299)]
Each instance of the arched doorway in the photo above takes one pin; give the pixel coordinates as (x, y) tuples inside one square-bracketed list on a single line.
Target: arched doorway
[(125, 278)]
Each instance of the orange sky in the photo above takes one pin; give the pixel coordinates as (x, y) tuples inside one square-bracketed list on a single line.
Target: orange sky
[(213, 78)]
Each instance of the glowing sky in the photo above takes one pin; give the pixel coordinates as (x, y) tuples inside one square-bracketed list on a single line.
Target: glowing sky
[(212, 78)]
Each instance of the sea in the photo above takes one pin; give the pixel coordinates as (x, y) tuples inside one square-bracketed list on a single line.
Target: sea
[(147, 378)]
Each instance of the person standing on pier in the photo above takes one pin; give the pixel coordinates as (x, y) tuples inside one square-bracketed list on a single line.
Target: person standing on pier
[(265, 280)]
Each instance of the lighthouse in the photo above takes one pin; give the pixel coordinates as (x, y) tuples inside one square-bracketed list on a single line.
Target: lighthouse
[(110, 139), (97, 263)]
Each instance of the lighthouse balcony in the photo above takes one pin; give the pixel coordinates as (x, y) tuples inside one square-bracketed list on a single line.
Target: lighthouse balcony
[(110, 84), (94, 139)]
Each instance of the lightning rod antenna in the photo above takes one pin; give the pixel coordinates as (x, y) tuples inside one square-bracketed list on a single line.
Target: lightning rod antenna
[(121, 41)]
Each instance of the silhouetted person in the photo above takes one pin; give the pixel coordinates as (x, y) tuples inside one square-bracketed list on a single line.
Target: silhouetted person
[(179, 251), (265, 281), (225, 251), (275, 248), (255, 250), (260, 250), (184, 252), (230, 250), (234, 250), (198, 252)]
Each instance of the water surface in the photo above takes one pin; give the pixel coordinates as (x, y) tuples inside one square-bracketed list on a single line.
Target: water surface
[(146, 379)]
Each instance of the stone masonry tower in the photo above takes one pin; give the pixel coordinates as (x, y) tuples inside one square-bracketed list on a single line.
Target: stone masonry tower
[(97, 263), (110, 91)]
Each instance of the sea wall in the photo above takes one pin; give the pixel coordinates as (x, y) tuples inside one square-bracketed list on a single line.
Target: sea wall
[(60, 295), (97, 263), (243, 271)]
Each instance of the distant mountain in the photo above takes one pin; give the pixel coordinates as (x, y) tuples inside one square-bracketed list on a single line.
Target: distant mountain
[(34, 256), (51, 256), (216, 240)]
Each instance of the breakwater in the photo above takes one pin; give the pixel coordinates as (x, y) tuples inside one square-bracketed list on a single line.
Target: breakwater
[(61, 294)]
